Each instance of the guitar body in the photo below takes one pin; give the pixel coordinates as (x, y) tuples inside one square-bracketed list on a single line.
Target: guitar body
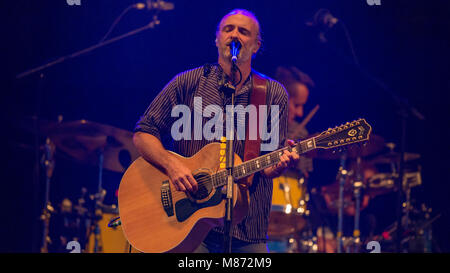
[(150, 227)]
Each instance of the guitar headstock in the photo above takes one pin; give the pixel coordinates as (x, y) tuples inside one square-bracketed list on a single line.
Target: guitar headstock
[(351, 132)]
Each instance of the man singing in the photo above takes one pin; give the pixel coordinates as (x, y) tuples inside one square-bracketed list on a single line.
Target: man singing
[(208, 83)]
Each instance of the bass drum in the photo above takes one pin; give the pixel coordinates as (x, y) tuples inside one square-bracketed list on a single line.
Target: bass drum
[(290, 190), (111, 239), (289, 200)]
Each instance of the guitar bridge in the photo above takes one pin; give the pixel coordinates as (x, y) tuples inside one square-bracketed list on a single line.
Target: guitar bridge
[(166, 198)]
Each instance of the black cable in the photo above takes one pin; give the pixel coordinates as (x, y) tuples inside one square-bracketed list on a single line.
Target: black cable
[(350, 43), (240, 74)]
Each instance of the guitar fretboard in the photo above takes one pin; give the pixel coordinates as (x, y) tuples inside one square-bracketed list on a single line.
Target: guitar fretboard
[(260, 163)]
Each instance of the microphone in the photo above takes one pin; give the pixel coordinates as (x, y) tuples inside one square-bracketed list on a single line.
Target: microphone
[(324, 19), (235, 47), (155, 5)]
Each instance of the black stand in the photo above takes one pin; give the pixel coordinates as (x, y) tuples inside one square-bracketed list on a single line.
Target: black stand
[(357, 185), (98, 246), (49, 164), (342, 174), (228, 227)]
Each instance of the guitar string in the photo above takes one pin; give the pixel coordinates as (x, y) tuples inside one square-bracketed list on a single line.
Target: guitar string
[(205, 181)]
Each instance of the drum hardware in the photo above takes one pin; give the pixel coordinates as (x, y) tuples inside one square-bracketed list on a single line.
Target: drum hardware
[(288, 211), (394, 158), (417, 238), (94, 144), (283, 245), (289, 230), (97, 144), (49, 165), (357, 185), (326, 241), (342, 174)]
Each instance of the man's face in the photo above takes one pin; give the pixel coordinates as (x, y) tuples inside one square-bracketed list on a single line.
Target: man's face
[(241, 27), (297, 101)]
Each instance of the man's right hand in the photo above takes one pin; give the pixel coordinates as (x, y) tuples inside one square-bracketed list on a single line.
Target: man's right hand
[(151, 148), (181, 177)]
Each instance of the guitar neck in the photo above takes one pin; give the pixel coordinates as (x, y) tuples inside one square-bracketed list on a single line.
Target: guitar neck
[(260, 163)]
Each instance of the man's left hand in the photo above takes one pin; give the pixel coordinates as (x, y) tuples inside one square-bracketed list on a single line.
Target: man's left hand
[(287, 160)]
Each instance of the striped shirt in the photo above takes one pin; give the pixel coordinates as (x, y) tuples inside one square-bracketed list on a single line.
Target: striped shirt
[(205, 82)]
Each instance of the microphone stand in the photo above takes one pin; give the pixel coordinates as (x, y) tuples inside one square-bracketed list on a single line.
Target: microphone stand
[(342, 176), (152, 24), (228, 228), (357, 185)]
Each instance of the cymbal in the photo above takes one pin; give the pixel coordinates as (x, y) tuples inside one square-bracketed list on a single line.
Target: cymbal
[(394, 157), (374, 145), (85, 141)]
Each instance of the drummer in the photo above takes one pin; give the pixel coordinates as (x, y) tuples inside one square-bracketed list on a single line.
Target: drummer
[(297, 85)]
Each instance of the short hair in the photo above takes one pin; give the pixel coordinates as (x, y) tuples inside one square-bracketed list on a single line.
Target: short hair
[(246, 13), (289, 75)]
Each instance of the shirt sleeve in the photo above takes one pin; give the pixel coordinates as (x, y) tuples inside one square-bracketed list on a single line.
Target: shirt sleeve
[(157, 119)]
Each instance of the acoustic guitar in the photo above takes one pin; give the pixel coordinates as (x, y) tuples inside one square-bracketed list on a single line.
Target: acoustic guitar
[(157, 218)]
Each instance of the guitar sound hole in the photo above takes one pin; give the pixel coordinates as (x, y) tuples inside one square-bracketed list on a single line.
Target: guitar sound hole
[(204, 186)]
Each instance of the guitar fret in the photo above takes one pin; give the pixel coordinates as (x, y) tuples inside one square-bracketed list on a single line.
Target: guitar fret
[(262, 162)]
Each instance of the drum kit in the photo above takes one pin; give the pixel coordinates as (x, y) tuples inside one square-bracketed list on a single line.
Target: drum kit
[(86, 222), (94, 224), (365, 172)]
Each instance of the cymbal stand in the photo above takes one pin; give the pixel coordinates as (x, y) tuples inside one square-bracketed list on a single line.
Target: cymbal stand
[(49, 164), (357, 185), (342, 174), (98, 198)]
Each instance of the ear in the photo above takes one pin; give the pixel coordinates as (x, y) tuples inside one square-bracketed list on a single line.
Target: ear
[(258, 45)]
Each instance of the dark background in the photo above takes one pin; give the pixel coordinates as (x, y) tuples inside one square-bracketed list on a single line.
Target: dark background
[(402, 43)]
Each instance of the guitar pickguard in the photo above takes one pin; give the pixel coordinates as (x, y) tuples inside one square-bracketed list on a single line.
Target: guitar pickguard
[(184, 208)]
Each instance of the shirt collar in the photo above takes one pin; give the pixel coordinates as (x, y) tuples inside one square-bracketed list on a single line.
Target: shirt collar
[(223, 78)]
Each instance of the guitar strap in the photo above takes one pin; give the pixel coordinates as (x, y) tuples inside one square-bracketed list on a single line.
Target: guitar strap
[(252, 148)]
